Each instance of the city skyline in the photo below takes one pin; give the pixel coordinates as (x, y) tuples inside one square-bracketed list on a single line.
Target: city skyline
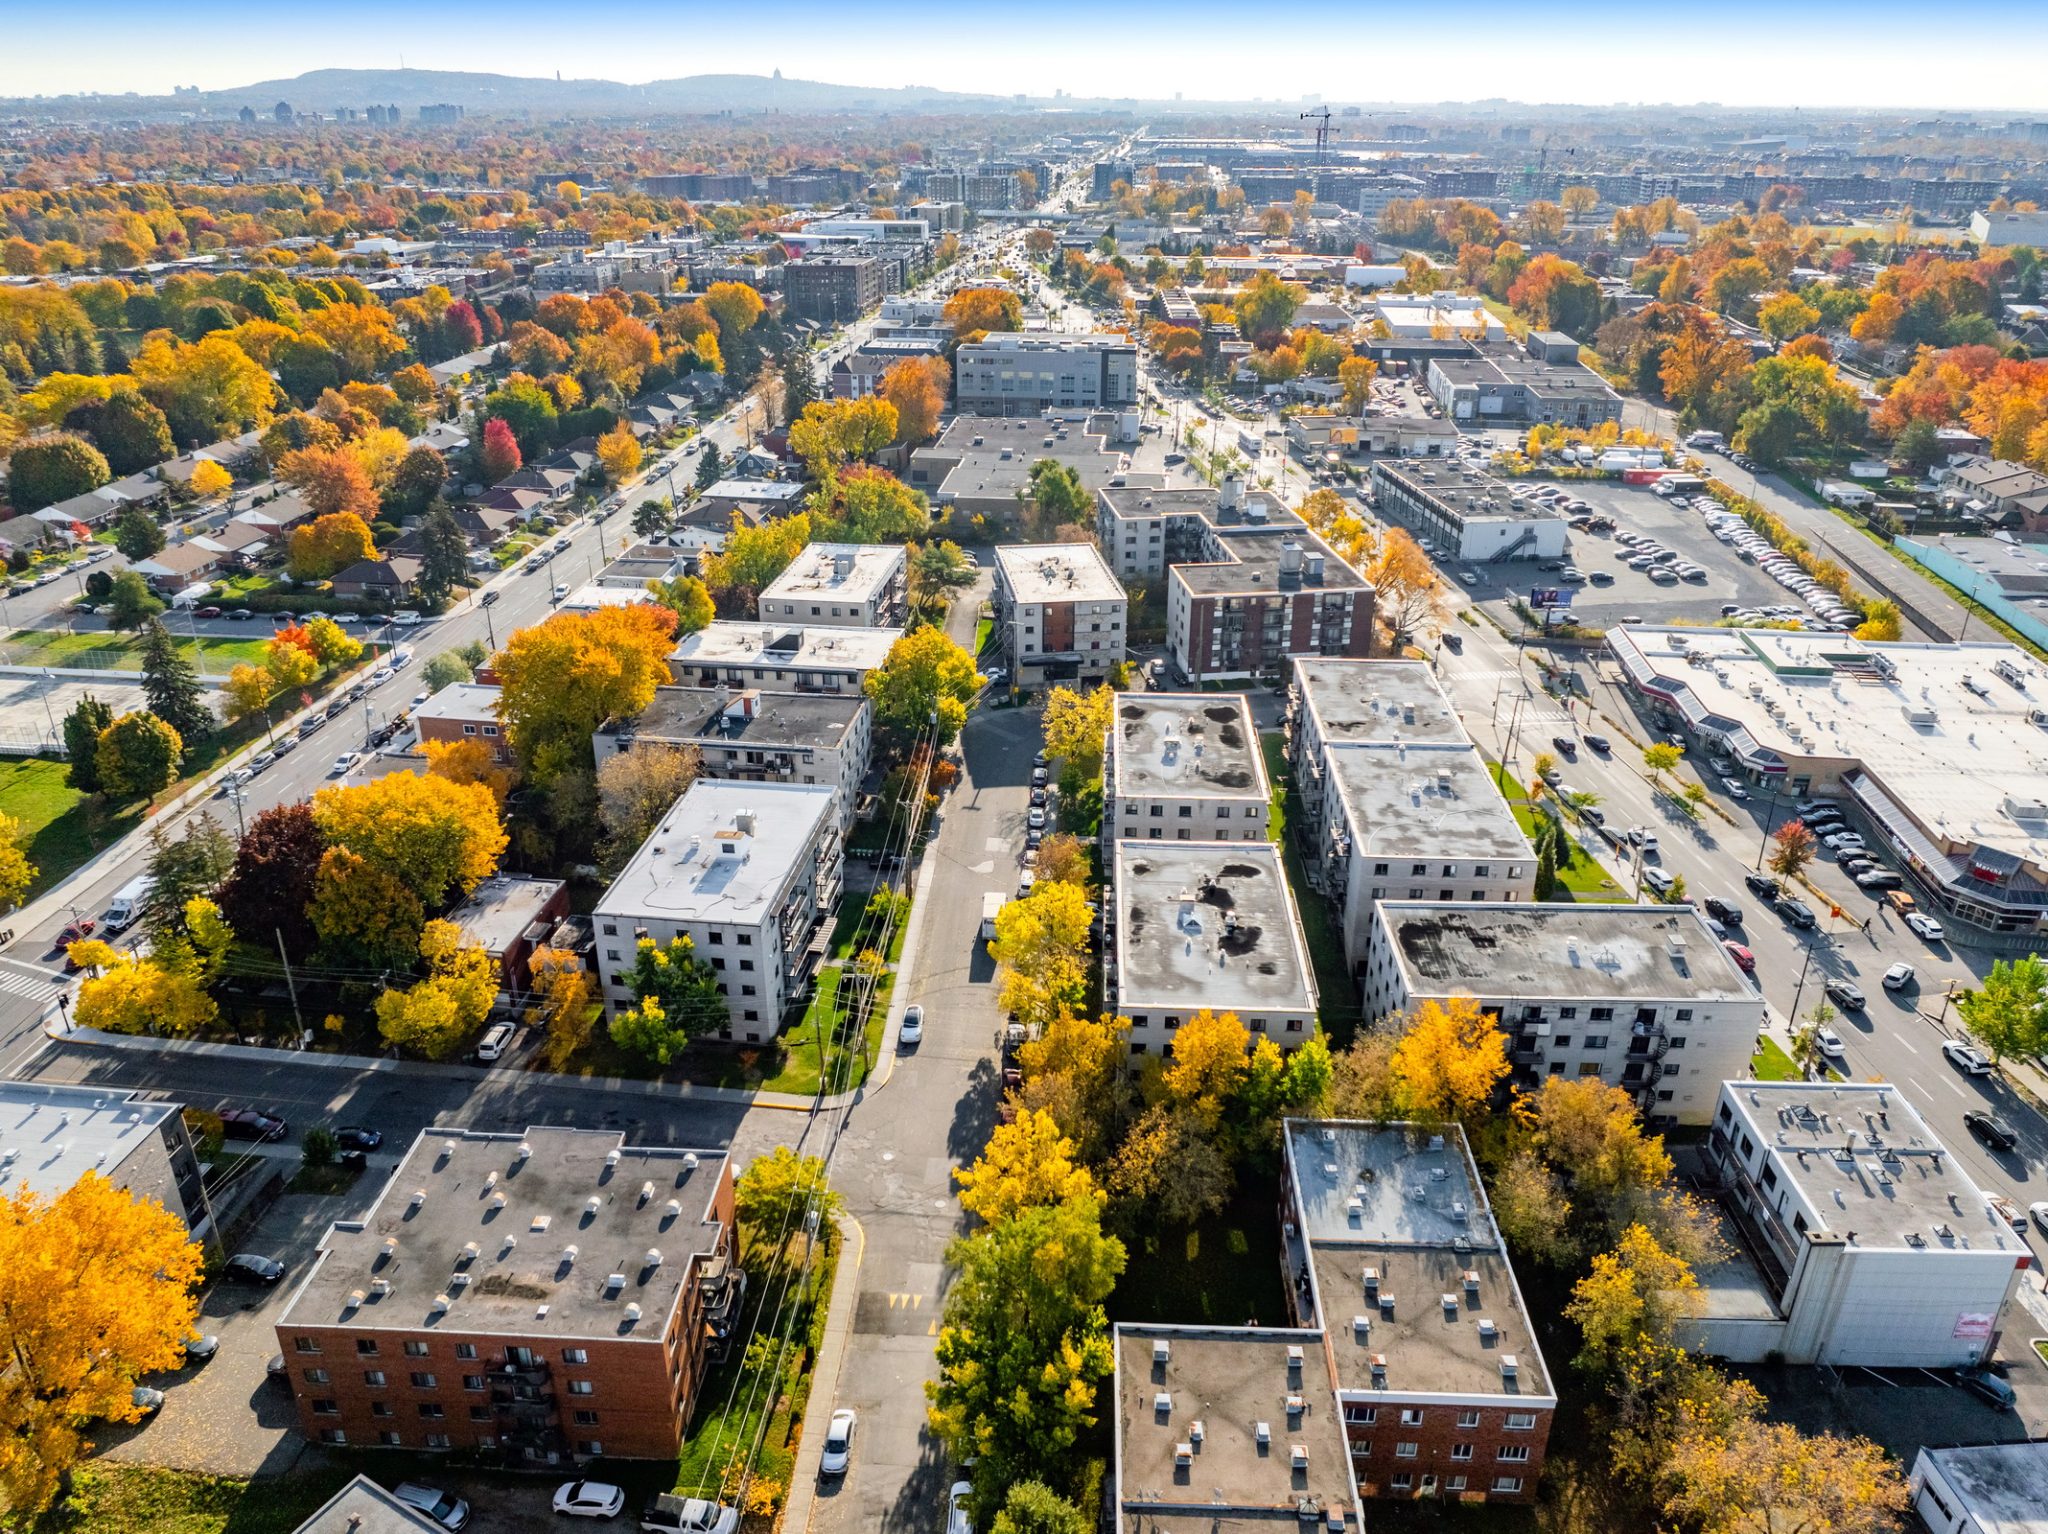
[(215, 47)]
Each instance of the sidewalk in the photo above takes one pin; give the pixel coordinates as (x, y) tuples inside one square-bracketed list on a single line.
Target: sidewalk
[(803, 1478)]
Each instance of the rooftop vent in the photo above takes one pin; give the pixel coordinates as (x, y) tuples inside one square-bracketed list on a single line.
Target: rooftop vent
[(1195, 1431), (1162, 1350), (490, 1180), (419, 1197), (497, 1201), (447, 1149), (1361, 1325), (1379, 1366), (1183, 1454), (672, 1208), (380, 1287), (569, 1253), (1162, 1403), (470, 1252), (633, 1311), (592, 1204), (1487, 1330), (1450, 1304), (1298, 1456), (653, 1257), (439, 1306), (1262, 1433), (524, 1152), (1293, 1358), (1471, 1280), (1386, 1304), (1510, 1366), (611, 1157), (354, 1300), (690, 1162), (1296, 1405)]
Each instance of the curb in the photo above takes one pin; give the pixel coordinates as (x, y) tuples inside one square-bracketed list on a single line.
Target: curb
[(803, 1476)]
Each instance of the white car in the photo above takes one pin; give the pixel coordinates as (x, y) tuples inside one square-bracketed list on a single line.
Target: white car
[(838, 1443), (381, 675), (1967, 1058), (344, 764), (1898, 977), (1830, 1043), (1037, 818), (2040, 1213), (1926, 926), (958, 1521), (912, 1029), (1735, 789), (421, 696), (589, 1499), (449, 1511)]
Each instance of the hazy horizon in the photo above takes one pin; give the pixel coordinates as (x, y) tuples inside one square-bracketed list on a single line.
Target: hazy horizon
[(1830, 56)]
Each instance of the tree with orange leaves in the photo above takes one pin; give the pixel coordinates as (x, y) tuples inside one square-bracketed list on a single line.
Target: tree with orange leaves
[(984, 309), (917, 387)]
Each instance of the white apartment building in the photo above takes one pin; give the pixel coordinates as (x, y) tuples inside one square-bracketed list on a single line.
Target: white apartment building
[(1061, 612), (780, 657), (1206, 925), (1144, 531), (1012, 373), (1641, 996), (1184, 767), (750, 873), (841, 585), (1865, 1241)]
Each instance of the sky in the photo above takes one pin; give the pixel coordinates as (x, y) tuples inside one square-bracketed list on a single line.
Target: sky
[(1986, 56)]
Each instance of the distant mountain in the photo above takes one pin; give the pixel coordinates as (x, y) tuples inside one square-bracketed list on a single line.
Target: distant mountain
[(324, 90)]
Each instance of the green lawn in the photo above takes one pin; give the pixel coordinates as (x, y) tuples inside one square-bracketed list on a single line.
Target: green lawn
[(1771, 1063), (1585, 876), (107, 1498), (1336, 992), (983, 628), (1223, 1271), (64, 826), (123, 652)]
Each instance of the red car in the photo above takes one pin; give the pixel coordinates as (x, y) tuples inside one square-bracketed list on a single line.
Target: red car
[(206, 612), (1744, 959)]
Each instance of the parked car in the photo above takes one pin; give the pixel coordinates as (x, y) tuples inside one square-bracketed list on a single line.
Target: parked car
[(444, 1508), (253, 1268), (353, 1137), (671, 1514), (1797, 912), (1991, 1129), (838, 1443), (1829, 1043), (1967, 1058), (1037, 818), (589, 1499), (1928, 929), (911, 1031), (1735, 789), (1985, 1384), (1723, 910), (252, 1124), (958, 1500), (148, 1400), (201, 1346), (1761, 884), (1744, 959)]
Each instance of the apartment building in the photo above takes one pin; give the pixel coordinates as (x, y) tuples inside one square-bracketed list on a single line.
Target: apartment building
[(981, 464), (1184, 767), (50, 1136), (833, 290), (751, 736), (464, 711), (1439, 1379), (1864, 1241), (1060, 611), (1012, 373), (1206, 925), (1465, 514), (841, 585), (750, 873), (1145, 531), (510, 916), (1261, 596), (1642, 996), (532, 1299), (1340, 702), (780, 658)]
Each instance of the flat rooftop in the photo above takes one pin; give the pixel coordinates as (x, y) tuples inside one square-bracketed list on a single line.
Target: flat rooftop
[(537, 1257), (1865, 1162), (1057, 572), (1497, 365), (502, 908), (796, 647), (1469, 494), (771, 491), (1524, 949), (2003, 1486), (1230, 1380), (1209, 924), (845, 572), (460, 701), (1187, 745), (50, 1136), (1259, 560), (1252, 508), (809, 720), (723, 853), (1423, 801), (1935, 725), (1368, 702)]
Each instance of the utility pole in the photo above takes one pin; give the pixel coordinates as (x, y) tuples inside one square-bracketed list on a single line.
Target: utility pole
[(291, 985)]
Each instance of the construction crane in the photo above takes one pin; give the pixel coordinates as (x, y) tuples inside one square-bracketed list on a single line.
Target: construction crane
[(1321, 117)]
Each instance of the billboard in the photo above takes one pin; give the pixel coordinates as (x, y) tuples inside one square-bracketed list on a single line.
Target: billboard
[(1550, 596)]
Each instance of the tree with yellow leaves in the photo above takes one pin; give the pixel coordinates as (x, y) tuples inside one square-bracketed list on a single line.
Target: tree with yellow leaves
[(1408, 592), (984, 309), (1769, 1478), (1636, 1291), (439, 1014), (563, 1003), (618, 450), (1354, 377), (1448, 1060), (1042, 941), (1210, 1056), (1075, 726), (428, 833), (561, 679), (17, 873), (164, 992), (468, 761), (1027, 1163), (209, 479), (1172, 1168), (1074, 1071), (831, 433), (95, 1292)]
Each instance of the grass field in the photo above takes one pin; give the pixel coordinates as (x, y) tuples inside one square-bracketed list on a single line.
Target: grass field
[(1771, 1063), (130, 1499), (1586, 876), (214, 654), (64, 826), (1223, 1271)]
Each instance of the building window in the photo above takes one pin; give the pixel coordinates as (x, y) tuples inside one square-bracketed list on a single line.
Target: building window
[(380, 1408), (437, 1440), (1469, 1417), (1589, 1067), (1361, 1448), (586, 1419), (1507, 1483), (374, 1378), (314, 1376), (415, 1350), (333, 1434), (423, 1381), (592, 1447), (1596, 1041), (472, 1382), (1365, 1415), (479, 1413), (1379, 868), (1461, 1452), (431, 1411), (1455, 1483), (1403, 1480), (1411, 1416), (366, 1347), (1521, 1421), (575, 1356), (1407, 1450), (305, 1344), (1515, 1454), (581, 1388)]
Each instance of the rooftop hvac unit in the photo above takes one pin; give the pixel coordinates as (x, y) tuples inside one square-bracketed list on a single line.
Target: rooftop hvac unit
[(439, 1305), (1162, 1351), (1262, 1433), (1510, 1366), (1294, 1358), (646, 1193), (1162, 1403), (1450, 1304), (1183, 1454), (1296, 1405), (1487, 1330), (1195, 1431), (633, 1312), (1361, 1326), (1386, 1304), (592, 1204), (380, 1287)]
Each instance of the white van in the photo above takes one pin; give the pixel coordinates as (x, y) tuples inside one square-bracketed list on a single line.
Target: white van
[(127, 903), (495, 1043)]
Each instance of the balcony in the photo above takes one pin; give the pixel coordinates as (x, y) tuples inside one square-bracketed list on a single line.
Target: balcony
[(536, 1406), (514, 1374)]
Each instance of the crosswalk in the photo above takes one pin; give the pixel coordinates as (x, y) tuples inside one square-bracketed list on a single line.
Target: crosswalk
[(28, 986)]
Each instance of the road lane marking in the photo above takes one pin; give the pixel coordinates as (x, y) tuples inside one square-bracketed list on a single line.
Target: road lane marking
[(1908, 1043)]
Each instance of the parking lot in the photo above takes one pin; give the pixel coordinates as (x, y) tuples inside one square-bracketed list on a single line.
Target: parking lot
[(1601, 603)]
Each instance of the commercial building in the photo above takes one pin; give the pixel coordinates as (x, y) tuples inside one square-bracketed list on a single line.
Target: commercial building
[(464, 711), (2002, 493), (1991, 1488), (751, 736), (1642, 996), (1210, 926), (1862, 1240), (1541, 381), (1398, 1266), (2000, 229), (1060, 612), (535, 1299), (1011, 373), (2007, 574), (750, 873), (510, 916), (1143, 531), (1934, 751), (50, 1136), (1184, 767), (754, 500), (833, 290), (841, 585), (1427, 316), (1257, 597), (1465, 514), (780, 658)]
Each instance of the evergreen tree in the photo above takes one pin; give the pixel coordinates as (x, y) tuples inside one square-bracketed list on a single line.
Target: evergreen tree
[(710, 466), (82, 728), (194, 863), (1546, 871), (444, 554), (799, 380), (171, 686)]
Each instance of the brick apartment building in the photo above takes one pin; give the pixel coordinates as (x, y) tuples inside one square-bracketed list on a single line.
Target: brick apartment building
[(833, 290), (538, 1298), (1259, 597), (464, 711)]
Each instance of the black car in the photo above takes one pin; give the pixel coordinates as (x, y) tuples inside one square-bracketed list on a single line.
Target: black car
[(1844, 995), (251, 1268), (1880, 879), (1565, 744), (489, 598), (1991, 1129), (1723, 910), (1598, 743), (353, 1137), (1796, 912), (249, 1124), (1761, 884)]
